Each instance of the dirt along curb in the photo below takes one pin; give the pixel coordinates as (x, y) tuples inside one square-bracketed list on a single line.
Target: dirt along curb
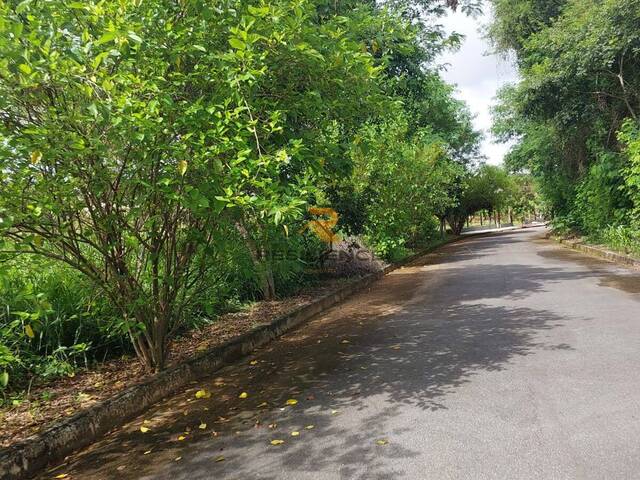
[(28, 457), (600, 252)]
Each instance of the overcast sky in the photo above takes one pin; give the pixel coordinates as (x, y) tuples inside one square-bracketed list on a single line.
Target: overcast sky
[(478, 76)]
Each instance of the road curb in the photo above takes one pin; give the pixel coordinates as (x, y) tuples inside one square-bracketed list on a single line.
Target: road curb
[(28, 457), (600, 252)]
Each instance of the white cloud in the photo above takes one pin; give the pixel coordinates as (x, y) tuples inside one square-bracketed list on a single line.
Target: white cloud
[(478, 76)]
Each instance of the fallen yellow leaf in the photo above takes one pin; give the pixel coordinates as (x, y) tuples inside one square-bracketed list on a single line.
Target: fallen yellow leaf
[(203, 394), (202, 426), (309, 427), (295, 434), (382, 442), (177, 459), (263, 404), (277, 442), (219, 459), (243, 395), (62, 475), (292, 401), (144, 429), (253, 362), (147, 452), (334, 412), (345, 341), (181, 437)]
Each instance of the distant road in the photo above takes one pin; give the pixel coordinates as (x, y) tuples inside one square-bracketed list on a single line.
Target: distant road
[(500, 357)]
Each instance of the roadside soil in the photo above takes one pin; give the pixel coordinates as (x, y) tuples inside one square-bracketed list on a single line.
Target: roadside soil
[(50, 402)]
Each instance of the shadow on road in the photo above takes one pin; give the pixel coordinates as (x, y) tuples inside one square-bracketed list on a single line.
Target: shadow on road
[(411, 340)]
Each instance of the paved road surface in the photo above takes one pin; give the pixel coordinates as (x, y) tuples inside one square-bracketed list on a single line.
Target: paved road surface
[(503, 357)]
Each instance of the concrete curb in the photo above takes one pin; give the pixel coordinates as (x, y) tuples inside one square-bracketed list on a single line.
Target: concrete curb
[(614, 257), (26, 458)]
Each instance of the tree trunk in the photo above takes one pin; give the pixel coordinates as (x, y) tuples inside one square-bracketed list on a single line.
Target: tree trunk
[(456, 222), (268, 287), (260, 263)]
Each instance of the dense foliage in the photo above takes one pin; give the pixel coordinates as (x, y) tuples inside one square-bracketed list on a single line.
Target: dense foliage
[(158, 159), (574, 114)]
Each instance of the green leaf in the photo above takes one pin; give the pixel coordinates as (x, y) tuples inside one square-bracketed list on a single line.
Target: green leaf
[(106, 38), (258, 11), (133, 36), (4, 379), (23, 6), (237, 43), (93, 110), (200, 47), (24, 68), (98, 60)]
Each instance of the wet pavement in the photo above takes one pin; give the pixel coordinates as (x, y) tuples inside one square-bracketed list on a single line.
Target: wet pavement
[(500, 357)]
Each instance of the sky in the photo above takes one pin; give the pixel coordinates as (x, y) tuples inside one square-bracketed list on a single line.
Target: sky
[(478, 76)]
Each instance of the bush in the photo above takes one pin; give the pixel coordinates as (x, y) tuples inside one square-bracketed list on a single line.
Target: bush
[(621, 238), (51, 321)]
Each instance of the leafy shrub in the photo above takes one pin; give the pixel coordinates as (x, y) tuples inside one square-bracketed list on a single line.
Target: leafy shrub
[(621, 238), (51, 321)]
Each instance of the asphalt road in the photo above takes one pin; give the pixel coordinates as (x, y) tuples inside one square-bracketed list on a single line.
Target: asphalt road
[(503, 357)]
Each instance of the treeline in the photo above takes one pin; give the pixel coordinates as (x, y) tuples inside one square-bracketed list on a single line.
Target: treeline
[(158, 159), (574, 113)]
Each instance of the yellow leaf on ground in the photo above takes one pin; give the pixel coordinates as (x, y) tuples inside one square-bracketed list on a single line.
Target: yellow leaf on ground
[(253, 362), (203, 394), (181, 437), (147, 452), (345, 341), (202, 426), (277, 442), (219, 459), (177, 459), (144, 429), (295, 434), (243, 395), (62, 475), (263, 404), (382, 442), (334, 412), (292, 401), (309, 427)]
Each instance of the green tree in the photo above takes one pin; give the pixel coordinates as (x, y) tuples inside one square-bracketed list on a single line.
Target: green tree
[(131, 132), (578, 61)]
